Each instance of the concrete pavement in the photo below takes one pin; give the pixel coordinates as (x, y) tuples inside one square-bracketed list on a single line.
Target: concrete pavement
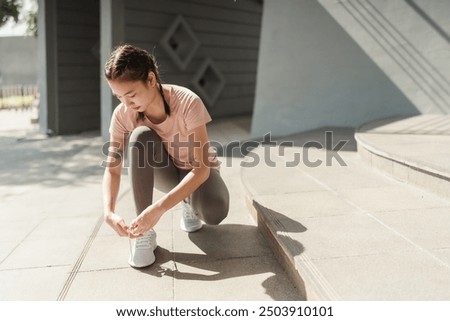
[(354, 231), (55, 246), (330, 225)]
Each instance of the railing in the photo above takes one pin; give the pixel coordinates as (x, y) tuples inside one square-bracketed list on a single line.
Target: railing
[(18, 96)]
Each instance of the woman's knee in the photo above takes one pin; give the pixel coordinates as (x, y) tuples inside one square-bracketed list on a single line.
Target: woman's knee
[(140, 135), (146, 148), (214, 211)]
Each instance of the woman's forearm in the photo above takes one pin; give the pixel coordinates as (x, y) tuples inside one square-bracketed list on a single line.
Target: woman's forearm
[(111, 185)]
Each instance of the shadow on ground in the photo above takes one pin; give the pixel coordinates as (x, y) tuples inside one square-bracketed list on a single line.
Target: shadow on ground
[(51, 161), (328, 138), (220, 261)]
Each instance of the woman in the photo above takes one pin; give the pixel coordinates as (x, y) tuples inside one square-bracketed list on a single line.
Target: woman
[(164, 129)]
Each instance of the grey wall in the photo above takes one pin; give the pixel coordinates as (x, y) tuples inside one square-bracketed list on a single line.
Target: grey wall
[(312, 74), (409, 40), (18, 61), (69, 33), (78, 41), (228, 33)]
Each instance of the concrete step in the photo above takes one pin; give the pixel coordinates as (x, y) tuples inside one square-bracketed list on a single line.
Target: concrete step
[(415, 150), (342, 229)]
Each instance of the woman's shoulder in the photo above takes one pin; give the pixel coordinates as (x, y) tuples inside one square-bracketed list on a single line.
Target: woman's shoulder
[(182, 93)]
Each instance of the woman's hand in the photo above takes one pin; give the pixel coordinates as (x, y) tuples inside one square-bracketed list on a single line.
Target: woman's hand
[(117, 223), (145, 221)]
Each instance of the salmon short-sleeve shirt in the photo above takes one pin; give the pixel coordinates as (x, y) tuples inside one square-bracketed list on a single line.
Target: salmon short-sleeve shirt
[(187, 112)]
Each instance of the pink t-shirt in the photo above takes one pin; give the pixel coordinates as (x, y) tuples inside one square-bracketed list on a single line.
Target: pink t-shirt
[(187, 112)]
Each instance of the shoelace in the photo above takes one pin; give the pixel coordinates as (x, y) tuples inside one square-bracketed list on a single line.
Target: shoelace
[(188, 213), (142, 243)]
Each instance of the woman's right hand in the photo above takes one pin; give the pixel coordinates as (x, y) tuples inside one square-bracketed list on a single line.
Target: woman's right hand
[(117, 223)]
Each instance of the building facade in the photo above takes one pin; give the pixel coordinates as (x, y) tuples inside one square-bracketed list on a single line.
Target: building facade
[(294, 65)]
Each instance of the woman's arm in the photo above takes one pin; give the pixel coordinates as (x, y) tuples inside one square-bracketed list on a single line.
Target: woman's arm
[(111, 185), (199, 174)]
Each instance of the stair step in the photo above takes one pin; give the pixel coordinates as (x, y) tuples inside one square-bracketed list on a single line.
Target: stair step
[(347, 231), (415, 150)]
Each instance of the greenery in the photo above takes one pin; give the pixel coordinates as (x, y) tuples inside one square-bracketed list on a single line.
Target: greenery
[(14, 102), (9, 9), (32, 26)]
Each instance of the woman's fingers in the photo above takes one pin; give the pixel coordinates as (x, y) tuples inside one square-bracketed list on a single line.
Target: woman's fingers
[(122, 228), (134, 236), (118, 224), (136, 230), (136, 225)]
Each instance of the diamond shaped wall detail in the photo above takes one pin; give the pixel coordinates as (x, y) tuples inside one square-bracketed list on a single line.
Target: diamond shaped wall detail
[(209, 81), (180, 42)]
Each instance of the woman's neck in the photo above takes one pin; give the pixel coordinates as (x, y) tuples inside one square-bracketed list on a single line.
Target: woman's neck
[(158, 114)]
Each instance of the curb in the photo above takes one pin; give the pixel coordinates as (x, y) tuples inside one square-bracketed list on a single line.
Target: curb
[(405, 169), (301, 270)]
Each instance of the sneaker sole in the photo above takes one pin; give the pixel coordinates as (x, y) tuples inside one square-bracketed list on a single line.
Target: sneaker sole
[(142, 266)]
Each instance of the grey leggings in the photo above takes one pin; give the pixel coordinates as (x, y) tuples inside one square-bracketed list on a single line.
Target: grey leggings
[(150, 166)]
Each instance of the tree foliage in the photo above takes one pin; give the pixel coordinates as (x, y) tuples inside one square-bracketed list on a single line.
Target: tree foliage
[(32, 25), (9, 9)]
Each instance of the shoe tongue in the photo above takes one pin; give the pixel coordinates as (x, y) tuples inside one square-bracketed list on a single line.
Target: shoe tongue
[(189, 212)]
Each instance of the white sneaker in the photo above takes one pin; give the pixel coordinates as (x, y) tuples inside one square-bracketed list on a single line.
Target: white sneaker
[(189, 220), (141, 250)]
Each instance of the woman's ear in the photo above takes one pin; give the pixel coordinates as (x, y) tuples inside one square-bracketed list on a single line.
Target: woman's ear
[(152, 78)]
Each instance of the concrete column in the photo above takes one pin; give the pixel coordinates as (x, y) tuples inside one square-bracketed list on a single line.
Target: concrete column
[(311, 73), (47, 58), (111, 34)]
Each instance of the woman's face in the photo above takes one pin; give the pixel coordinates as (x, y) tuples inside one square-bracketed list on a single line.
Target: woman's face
[(137, 95)]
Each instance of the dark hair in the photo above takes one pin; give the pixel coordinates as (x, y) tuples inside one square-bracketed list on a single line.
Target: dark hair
[(130, 63)]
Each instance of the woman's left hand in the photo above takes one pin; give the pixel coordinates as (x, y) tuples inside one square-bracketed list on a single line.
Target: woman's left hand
[(144, 222)]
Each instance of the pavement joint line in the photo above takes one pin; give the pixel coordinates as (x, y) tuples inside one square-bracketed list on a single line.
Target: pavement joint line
[(442, 248), (33, 267), (79, 262), (411, 209), (23, 239), (361, 255), (367, 213), (105, 269), (325, 286)]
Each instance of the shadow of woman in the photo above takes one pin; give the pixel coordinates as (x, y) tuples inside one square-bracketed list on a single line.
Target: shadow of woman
[(230, 251)]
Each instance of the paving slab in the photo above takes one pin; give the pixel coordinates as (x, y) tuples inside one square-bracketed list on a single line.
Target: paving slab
[(399, 276), (240, 279), (425, 227), (41, 253), (358, 216), (34, 284), (121, 284), (57, 247)]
